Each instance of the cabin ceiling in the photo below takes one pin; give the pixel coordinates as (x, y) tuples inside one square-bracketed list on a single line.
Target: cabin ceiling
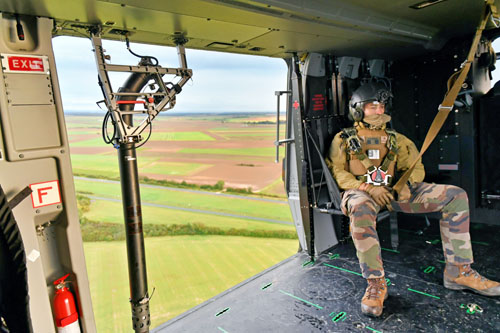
[(366, 28)]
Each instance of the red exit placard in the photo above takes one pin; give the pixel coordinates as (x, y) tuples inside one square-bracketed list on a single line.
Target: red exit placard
[(18, 63)]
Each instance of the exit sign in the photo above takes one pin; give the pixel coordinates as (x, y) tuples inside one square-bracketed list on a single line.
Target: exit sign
[(20, 63)]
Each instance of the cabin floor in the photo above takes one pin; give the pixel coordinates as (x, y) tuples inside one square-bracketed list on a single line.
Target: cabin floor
[(297, 295)]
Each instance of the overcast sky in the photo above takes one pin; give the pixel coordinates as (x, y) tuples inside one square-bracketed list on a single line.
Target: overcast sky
[(221, 81)]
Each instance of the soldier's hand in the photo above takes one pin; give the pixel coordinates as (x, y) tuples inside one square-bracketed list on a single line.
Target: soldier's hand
[(380, 194), (405, 194)]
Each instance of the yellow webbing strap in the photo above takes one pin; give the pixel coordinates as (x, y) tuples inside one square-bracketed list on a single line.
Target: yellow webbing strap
[(454, 85)]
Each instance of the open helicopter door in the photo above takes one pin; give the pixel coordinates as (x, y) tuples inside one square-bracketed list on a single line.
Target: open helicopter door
[(314, 116), (34, 152)]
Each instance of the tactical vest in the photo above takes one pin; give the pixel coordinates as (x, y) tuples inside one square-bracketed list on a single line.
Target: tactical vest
[(371, 154)]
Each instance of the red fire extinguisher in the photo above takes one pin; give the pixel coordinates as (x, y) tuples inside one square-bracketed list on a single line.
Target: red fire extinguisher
[(65, 308)]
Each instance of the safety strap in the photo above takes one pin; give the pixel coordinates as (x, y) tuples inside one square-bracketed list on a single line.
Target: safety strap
[(454, 85)]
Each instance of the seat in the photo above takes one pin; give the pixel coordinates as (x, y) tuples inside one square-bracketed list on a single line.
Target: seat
[(328, 202)]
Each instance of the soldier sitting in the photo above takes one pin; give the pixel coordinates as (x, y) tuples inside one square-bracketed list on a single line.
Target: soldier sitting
[(363, 160)]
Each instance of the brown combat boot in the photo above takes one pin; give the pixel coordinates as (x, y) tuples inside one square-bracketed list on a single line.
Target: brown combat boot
[(372, 303), (459, 277)]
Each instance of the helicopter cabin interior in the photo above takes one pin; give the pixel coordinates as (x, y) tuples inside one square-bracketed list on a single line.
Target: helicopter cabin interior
[(331, 48)]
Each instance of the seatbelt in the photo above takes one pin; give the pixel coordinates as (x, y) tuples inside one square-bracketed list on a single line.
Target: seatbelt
[(454, 85)]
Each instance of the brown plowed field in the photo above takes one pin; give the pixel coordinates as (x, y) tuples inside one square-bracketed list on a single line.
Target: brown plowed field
[(203, 149)]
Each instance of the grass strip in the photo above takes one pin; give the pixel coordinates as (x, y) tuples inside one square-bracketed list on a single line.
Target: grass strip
[(420, 292), (237, 205), (343, 269), (217, 187), (303, 300), (96, 231)]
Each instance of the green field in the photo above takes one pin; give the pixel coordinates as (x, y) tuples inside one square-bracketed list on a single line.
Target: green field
[(112, 212), (85, 122), (181, 136), (97, 142), (107, 166), (265, 151), (163, 196), (183, 270), (173, 168), (83, 131)]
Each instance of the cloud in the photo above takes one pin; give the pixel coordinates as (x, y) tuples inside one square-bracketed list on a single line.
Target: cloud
[(221, 81)]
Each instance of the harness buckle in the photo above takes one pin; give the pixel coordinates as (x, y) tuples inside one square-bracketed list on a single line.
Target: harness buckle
[(377, 177), (449, 108)]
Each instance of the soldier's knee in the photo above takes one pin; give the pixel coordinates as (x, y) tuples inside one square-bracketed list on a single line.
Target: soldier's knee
[(457, 200), (363, 208), (453, 192)]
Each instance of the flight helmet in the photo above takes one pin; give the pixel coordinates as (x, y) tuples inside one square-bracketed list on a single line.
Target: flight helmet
[(368, 92)]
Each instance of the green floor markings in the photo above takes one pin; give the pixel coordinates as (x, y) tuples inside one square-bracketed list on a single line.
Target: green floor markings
[(222, 330), (339, 316), (390, 250), (442, 261), (372, 329), (222, 312), (343, 269), (334, 256), (480, 243), (429, 269), (307, 263), (303, 300), (421, 292)]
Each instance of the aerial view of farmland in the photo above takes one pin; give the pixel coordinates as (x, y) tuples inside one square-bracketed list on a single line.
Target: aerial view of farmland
[(214, 210)]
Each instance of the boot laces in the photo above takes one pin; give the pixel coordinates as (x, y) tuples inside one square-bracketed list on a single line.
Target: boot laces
[(468, 271), (375, 287)]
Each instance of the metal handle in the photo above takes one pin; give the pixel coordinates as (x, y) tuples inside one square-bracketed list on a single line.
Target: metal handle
[(279, 142)]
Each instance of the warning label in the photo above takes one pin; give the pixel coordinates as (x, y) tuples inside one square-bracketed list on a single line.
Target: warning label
[(15, 63), (318, 102), (45, 194)]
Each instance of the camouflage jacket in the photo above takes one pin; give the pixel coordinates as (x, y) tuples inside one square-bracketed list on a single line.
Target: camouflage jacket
[(337, 161)]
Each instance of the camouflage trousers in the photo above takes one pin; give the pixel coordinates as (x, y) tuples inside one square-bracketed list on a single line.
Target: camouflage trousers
[(450, 200)]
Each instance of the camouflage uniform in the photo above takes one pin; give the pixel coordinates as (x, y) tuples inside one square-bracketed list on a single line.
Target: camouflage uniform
[(362, 210)]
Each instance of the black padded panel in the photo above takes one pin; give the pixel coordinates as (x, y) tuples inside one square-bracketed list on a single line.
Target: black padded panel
[(14, 299), (489, 144)]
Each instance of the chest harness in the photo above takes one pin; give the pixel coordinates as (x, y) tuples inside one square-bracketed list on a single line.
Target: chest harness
[(379, 175)]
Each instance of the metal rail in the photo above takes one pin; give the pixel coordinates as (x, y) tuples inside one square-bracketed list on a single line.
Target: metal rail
[(279, 142)]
